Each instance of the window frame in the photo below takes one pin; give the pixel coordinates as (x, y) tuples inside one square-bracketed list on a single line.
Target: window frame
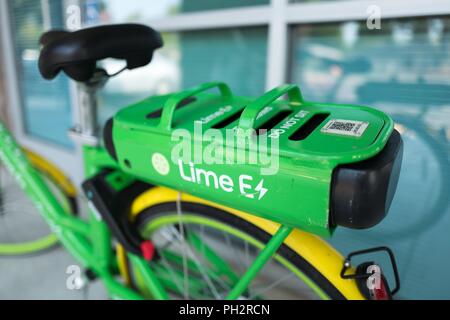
[(279, 15), (68, 160)]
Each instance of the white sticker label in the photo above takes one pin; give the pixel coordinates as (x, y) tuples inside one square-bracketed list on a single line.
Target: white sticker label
[(160, 164), (346, 127)]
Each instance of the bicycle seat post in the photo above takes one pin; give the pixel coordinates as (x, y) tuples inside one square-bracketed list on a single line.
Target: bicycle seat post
[(86, 131)]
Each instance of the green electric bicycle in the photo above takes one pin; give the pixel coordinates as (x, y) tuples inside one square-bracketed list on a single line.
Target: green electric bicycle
[(183, 200)]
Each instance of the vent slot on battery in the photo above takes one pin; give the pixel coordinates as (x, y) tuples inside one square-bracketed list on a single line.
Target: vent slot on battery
[(226, 122), (158, 113), (305, 130), (272, 122)]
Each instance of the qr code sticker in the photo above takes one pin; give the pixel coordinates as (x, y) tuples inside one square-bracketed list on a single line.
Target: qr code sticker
[(346, 128)]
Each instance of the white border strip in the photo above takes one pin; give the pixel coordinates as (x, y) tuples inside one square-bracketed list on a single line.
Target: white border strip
[(213, 19), (357, 10), (277, 45), (300, 13)]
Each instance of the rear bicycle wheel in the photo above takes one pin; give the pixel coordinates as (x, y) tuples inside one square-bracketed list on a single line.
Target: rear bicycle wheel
[(22, 229), (202, 251)]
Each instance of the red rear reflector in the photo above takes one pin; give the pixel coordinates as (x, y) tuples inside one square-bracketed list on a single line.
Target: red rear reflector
[(381, 293), (148, 250)]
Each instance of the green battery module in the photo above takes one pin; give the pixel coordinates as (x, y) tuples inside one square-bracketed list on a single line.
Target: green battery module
[(336, 165)]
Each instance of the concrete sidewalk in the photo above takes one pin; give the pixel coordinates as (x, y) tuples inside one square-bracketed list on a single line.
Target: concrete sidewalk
[(42, 277)]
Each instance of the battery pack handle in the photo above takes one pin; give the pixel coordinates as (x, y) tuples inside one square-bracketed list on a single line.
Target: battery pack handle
[(251, 113), (172, 103)]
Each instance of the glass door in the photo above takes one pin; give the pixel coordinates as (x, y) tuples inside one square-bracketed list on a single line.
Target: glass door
[(40, 111)]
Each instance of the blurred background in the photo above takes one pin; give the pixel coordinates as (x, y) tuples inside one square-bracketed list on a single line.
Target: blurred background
[(325, 46)]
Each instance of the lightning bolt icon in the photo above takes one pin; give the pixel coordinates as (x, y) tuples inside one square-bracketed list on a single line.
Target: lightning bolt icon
[(262, 191)]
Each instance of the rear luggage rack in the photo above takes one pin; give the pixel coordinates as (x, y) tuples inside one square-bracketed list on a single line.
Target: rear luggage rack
[(310, 144), (158, 113)]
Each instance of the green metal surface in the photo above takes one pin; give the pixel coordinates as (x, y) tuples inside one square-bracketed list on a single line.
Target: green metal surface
[(297, 195), (26, 248), (166, 122), (119, 181), (89, 242), (39, 244), (19, 166), (268, 251), (150, 279), (250, 115), (219, 264)]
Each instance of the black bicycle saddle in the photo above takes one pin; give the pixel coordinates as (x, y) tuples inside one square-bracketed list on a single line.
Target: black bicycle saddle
[(77, 53)]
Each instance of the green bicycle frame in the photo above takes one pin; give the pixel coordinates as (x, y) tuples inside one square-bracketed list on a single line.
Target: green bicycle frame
[(90, 241)]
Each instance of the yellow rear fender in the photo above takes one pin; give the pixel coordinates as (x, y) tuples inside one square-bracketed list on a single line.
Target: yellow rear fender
[(52, 172), (315, 250)]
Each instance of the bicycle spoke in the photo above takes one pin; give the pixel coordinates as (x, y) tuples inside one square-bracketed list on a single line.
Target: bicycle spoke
[(247, 262), (185, 269), (240, 266), (187, 250), (270, 287), (211, 254), (174, 277), (219, 264)]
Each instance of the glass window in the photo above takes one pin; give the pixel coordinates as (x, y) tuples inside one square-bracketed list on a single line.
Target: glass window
[(119, 11), (304, 1), (43, 102), (161, 76), (187, 59), (201, 5), (403, 69), (236, 56)]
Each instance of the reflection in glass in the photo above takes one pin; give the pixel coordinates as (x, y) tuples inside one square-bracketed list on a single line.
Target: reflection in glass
[(303, 1), (203, 5), (120, 11), (43, 102), (236, 56), (403, 69), (161, 76), (141, 11)]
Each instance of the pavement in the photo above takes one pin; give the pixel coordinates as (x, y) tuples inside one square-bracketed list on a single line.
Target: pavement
[(43, 277)]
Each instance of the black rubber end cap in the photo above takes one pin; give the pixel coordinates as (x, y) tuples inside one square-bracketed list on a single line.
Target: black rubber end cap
[(362, 193)]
